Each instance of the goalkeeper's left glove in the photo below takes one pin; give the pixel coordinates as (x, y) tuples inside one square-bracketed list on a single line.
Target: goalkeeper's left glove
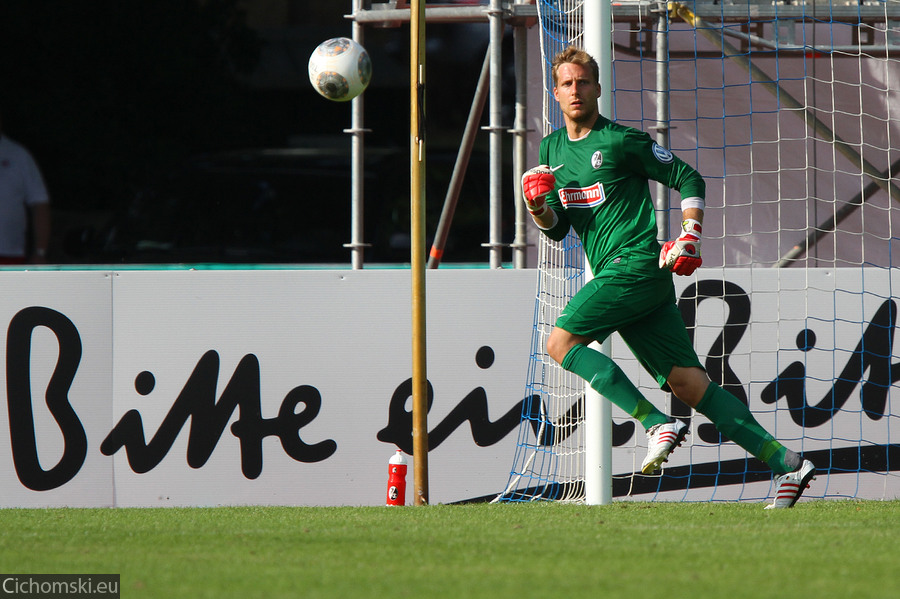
[(682, 256)]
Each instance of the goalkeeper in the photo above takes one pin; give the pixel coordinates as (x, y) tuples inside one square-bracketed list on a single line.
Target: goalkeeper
[(594, 177)]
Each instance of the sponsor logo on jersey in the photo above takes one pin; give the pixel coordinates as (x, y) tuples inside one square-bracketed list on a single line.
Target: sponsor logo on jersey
[(582, 197), (597, 159), (662, 154)]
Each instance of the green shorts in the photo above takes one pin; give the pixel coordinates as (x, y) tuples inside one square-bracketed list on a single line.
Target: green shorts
[(628, 298)]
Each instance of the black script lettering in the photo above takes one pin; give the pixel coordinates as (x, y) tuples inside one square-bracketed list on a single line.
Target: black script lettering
[(19, 402), (400, 421), (474, 409), (209, 418), (872, 355), (717, 365), (289, 423)]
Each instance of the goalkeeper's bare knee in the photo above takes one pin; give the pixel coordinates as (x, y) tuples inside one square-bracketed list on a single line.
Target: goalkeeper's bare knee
[(560, 342), (688, 384)]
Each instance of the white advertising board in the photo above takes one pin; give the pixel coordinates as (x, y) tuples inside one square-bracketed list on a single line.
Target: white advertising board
[(813, 354), (274, 387), (294, 384), (179, 388), (56, 366)]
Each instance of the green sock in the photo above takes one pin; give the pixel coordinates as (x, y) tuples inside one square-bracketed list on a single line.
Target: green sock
[(733, 418), (607, 379)]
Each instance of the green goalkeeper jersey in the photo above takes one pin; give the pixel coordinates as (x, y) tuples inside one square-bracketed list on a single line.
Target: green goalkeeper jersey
[(602, 190)]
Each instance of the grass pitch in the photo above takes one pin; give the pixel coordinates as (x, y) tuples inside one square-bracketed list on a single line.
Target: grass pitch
[(728, 550)]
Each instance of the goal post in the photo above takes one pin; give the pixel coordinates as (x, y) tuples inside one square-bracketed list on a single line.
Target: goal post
[(563, 412), (789, 111), (597, 409)]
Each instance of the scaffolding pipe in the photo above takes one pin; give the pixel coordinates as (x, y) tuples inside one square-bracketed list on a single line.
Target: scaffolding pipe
[(634, 11), (496, 131), (357, 147), (519, 133), (662, 117), (870, 49), (433, 14)]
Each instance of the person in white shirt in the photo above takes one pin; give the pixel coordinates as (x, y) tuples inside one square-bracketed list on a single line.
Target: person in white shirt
[(23, 194)]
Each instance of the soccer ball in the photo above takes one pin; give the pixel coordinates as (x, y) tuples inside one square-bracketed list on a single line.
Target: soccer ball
[(340, 69)]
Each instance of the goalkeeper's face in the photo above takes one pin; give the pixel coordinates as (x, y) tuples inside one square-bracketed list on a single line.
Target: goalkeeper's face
[(577, 93)]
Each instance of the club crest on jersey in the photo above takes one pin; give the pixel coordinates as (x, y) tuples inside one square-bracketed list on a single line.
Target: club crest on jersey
[(662, 154), (582, 197), (596, 159)]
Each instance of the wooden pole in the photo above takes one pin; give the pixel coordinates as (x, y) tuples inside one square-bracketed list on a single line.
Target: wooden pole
[(417, 211)]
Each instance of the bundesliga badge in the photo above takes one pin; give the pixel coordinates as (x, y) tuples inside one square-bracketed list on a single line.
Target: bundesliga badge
[(662, 154)]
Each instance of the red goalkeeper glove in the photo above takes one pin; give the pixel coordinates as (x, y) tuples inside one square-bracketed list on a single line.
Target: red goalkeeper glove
[(682, 256), (536, 184)]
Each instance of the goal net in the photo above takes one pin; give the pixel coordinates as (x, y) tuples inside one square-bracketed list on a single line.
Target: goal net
[(789, 111)]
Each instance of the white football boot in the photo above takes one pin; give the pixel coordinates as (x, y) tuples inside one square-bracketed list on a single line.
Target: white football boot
[(663, 439), (789, 487)]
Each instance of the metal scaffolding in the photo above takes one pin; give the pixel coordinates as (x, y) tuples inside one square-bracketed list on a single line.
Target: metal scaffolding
[(521, 14), (497, 15)]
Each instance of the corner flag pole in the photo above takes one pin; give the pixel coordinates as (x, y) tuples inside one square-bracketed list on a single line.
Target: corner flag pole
[(417, 230)]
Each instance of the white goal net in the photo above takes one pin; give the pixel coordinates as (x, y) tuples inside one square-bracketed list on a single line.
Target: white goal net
[(789, 111)]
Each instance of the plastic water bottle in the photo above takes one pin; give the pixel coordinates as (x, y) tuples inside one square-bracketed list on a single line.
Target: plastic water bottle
[(396, 487)]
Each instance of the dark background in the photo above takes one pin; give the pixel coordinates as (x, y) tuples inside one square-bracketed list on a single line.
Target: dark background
[(143, 111)]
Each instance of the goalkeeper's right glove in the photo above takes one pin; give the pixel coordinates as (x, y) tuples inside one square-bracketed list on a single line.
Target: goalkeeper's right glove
[(536, 184)]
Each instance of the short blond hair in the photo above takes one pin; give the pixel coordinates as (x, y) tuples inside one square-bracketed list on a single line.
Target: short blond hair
[(574, 55)]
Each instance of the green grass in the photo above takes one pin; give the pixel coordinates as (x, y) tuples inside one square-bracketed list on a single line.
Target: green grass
[(846, 549)]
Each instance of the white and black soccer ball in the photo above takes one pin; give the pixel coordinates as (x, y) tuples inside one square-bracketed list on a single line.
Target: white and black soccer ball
[(340, 69)]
